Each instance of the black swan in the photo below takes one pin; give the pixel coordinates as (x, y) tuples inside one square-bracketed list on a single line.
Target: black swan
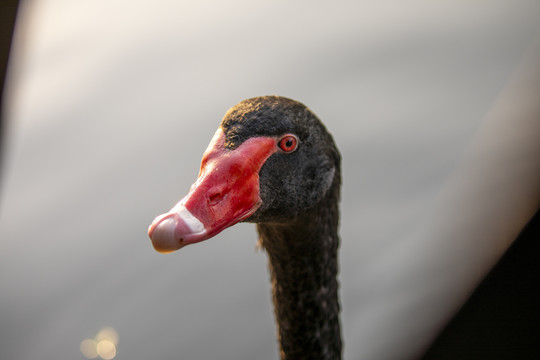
[(272, 162)]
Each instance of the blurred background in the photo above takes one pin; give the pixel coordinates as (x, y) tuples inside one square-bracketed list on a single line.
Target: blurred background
[(110, 105)]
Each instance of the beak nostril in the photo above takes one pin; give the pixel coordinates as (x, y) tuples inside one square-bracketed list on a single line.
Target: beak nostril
[(216, 198)]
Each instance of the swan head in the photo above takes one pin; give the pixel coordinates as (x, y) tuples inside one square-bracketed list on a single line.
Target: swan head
[(270, 160)]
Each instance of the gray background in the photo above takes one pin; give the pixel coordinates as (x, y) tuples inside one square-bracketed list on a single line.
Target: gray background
[(112, 103)]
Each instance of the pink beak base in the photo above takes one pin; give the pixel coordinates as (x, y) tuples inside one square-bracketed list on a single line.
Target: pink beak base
[(226, 192)]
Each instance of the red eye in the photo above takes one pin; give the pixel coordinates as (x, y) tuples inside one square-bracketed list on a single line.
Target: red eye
[(288, 143)]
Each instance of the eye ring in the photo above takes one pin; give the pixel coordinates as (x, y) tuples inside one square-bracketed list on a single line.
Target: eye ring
[(288, 143)]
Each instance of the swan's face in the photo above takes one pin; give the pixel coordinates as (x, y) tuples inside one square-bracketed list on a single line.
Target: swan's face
[(270, 160)]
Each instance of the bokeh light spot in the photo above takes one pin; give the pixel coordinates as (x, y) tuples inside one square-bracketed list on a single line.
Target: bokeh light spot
[(106, 349), (89, 348), (107, 333), (102, 345)]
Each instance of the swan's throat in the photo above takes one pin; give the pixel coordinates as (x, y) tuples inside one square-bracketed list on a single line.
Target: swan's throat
[(303, 267)]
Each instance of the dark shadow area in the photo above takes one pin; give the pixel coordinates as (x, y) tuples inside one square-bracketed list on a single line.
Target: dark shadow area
[(8, 14), (501, 320)]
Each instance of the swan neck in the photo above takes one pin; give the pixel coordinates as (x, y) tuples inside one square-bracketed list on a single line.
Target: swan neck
[(303, 268)]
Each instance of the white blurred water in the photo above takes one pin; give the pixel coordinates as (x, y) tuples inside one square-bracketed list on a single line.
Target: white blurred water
[(112, 104)]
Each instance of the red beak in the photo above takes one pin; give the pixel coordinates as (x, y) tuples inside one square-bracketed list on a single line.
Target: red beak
[(226, 192)]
